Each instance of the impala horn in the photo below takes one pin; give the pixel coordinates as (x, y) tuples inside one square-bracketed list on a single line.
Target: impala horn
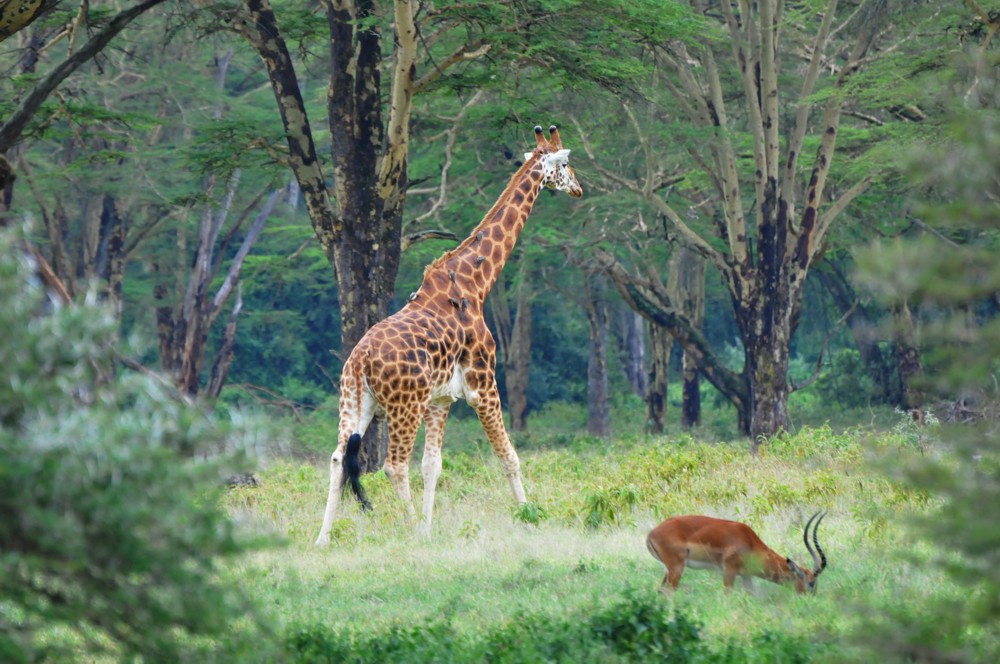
[(819, 558)]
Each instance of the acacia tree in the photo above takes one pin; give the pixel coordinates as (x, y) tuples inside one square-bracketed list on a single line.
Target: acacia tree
[(15, 16), (770, 213), (360, 233)]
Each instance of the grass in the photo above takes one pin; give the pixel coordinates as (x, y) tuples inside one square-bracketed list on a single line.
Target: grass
[(483, 572)]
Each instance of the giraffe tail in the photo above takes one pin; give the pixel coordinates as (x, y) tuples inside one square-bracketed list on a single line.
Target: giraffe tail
[(352, 470)]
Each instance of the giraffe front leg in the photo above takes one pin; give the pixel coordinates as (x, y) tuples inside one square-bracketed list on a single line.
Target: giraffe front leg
[(434, 422), (491, 417)]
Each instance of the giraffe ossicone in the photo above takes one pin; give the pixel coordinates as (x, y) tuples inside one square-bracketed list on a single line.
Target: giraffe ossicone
[(437, 349)]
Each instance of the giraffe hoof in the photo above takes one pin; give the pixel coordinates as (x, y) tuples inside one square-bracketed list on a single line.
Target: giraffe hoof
[(323, 540)]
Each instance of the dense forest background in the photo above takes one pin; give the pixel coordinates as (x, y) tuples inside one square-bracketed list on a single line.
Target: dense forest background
[(789, 220), (158, 173)]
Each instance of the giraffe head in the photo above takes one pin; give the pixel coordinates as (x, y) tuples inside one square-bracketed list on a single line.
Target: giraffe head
[(556, 171)]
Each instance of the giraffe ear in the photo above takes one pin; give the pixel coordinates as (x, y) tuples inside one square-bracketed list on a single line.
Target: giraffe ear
[(560, 156), (528, 155)]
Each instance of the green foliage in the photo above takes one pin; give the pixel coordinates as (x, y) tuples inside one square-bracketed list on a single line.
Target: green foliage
[(603, 506), (638, 628), (110, 534), (950, 276), (530, 513)]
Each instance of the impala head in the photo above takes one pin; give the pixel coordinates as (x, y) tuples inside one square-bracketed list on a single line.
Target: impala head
[(556, 171), (805, 579)]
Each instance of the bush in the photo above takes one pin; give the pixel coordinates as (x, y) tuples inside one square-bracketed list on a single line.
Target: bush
[(110, 537), (639, 628)]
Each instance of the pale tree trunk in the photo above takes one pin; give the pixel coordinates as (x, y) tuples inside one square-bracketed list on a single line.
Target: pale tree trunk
[(596, 308), (184, 327), (513, 336), (661, 343), (687, 289), (633, 350)]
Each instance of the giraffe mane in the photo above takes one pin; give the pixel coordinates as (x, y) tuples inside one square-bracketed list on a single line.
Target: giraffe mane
[(504, 196)]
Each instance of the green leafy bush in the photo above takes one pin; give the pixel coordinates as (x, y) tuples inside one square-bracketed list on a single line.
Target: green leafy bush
[(638, 628), (110, 534)]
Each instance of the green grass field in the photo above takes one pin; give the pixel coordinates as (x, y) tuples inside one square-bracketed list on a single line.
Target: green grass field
[(485, 584)]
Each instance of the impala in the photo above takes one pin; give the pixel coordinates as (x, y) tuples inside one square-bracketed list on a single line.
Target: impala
[(704, 542)]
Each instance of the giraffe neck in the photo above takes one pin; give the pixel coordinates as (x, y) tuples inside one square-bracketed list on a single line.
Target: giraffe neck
[(477, 262)]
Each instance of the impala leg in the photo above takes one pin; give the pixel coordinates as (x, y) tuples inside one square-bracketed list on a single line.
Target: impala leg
[(731, 568), (674, 573), (434, 421)]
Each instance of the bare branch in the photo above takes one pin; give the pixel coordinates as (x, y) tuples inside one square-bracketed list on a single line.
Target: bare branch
[(411, 239), (463, 53), (237, 263), (12, 128), (451, 136)]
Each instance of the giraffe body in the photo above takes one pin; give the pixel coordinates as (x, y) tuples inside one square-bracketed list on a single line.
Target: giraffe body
[(437, 349)]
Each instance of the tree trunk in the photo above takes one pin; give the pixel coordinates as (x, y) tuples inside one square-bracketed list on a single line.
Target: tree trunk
[(633, 345), (513, 336), (767, 368), (362, 239), (908, 362), (518, 362), (660, 345), (687, 290), (596, 307)]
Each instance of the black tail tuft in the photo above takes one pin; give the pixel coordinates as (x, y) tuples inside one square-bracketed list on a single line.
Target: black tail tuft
[(352, 470)]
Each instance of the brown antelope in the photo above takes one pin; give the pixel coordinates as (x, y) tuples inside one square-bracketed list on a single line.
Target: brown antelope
[(704, 542)]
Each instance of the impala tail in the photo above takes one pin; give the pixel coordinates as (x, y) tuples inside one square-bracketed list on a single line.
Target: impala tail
[(352, 470)]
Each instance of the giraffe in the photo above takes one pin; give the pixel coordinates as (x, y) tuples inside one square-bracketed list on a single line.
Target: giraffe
[(437, 349)]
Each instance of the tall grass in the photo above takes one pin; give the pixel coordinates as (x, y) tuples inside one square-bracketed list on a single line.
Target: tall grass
[(483, 572)]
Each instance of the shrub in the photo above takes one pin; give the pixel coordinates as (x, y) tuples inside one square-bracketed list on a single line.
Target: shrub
[(638, 628), (110, 534)]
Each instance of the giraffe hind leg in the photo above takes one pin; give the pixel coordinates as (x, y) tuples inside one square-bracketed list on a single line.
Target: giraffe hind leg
[(434, 422), (355, 415), (403, 423)]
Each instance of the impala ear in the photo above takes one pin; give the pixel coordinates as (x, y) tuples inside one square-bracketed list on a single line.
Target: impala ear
[(795, 568)]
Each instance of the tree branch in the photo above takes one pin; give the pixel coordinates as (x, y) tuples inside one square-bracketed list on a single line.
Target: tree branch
[(12, 129), (651, 304)]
